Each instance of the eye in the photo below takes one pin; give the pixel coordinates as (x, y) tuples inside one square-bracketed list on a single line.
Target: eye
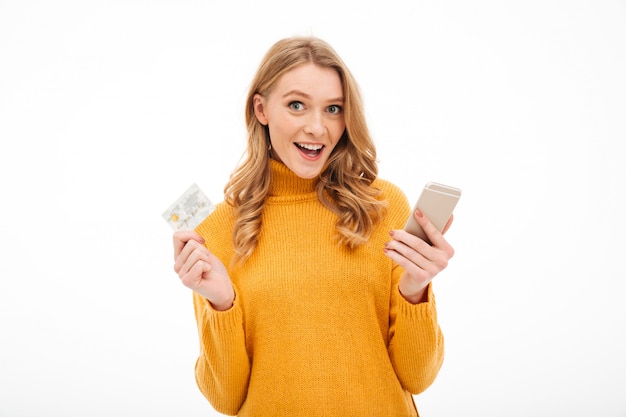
[(334, 109), (296, 105)]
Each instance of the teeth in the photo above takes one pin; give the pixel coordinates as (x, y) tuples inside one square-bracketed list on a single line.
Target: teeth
[(310, 147)]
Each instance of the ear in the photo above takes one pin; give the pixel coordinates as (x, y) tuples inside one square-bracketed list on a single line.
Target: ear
[(258, 103)]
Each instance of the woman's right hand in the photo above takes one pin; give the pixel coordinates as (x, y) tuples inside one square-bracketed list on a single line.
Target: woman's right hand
[(201, 271)]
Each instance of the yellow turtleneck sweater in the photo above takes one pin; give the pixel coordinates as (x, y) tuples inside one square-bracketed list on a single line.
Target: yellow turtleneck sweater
[(316, 329)]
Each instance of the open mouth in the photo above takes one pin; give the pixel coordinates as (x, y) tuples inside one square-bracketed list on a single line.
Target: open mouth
[(309, 150)]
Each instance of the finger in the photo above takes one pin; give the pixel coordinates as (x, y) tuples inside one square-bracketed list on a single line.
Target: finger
[(429, 258), (434, 236), (393, 252), (429, 229), (420, 270), (419, 253), (193, 277), (412, 269), (413, 242), (181, 238), (186, 255), (408, 245), (410, 252), (192, 254)]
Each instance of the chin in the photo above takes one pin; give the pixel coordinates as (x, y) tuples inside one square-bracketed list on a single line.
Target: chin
[(306, 169)]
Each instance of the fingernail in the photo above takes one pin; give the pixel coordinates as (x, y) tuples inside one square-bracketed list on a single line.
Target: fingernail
[(391, 233), (419, 213)]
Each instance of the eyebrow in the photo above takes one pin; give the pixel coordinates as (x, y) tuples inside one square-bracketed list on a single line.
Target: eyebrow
[(300, 93)]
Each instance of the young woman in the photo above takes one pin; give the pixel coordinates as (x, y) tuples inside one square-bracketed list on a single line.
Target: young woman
[(309, 297)]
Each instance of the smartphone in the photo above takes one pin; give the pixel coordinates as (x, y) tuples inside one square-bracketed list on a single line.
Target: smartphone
[(437, 201)]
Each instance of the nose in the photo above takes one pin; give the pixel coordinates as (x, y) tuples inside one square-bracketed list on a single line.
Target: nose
[(314, 125)]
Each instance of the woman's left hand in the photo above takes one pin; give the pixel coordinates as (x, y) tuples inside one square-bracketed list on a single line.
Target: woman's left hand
[(421, 261)]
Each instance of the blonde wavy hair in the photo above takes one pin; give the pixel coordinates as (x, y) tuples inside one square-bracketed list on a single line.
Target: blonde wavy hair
[(345, 183)]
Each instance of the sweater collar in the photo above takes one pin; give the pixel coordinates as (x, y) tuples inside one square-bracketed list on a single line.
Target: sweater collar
[(286, 182)]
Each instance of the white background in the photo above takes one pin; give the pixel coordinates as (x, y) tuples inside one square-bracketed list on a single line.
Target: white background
[(109, 110)]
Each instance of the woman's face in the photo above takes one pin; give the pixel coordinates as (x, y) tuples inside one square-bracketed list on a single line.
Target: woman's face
[(304, 113)]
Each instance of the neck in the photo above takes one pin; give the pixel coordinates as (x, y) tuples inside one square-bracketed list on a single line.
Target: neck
[(286, 182)]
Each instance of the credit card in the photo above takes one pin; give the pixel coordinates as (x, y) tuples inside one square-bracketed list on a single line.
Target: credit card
[(189, 210)]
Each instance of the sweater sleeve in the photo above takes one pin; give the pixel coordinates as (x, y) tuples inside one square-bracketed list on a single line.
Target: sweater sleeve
[(416, 345), (223, 368)]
